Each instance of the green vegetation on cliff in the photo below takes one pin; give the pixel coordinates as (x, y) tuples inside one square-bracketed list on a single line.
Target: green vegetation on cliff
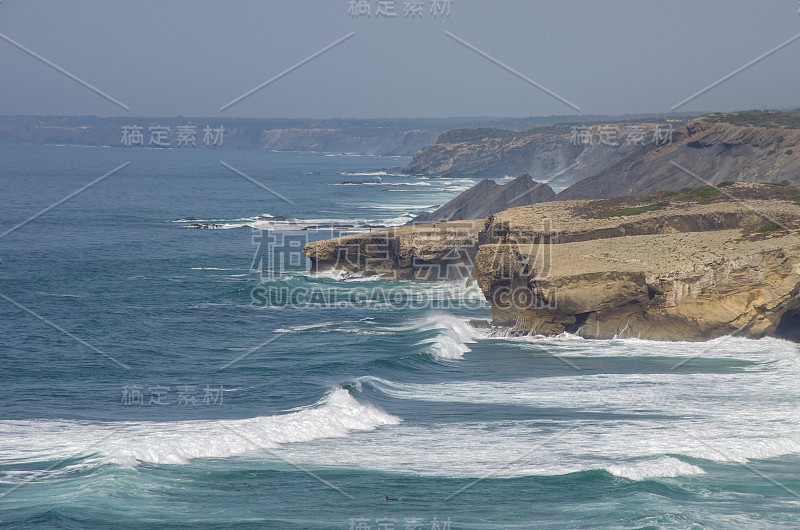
[(758, 118)]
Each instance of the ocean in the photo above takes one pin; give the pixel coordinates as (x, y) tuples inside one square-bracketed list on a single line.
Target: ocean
[(146, 383)]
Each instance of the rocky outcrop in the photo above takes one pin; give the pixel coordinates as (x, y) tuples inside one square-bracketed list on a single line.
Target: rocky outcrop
[(444, 251), (689, 266), (488, 197), (739, 147), (624, 287)]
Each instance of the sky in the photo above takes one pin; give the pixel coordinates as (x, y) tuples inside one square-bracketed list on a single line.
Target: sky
[(512, 58)]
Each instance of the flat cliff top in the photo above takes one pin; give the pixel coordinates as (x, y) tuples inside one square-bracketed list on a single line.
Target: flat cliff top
[(433, 230), (659, 253), (741, 206), (411, 239), (748, 205)]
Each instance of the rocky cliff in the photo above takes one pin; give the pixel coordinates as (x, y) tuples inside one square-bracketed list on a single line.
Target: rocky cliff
[(443, 251), (692, 265), (740, 147), (563, 153), (687, 269), (488, 197)]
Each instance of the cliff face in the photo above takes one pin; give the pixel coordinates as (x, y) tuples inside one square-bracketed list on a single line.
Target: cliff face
[(488, 197), (493, 153), (445, 251), (687, 271), (688, 266), (747, 292), (387, 143), (541, 152), (753, 146), (716, 148)]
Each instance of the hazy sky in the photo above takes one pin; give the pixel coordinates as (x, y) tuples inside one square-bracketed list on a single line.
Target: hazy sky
[(188, 58)]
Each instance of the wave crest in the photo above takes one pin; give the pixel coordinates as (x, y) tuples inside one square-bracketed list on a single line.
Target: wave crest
[(177, 442)]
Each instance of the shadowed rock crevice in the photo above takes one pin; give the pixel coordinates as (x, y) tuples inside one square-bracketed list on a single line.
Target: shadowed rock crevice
[(789, 326)]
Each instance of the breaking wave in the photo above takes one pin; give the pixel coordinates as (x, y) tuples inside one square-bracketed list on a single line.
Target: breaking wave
[(178, 442)]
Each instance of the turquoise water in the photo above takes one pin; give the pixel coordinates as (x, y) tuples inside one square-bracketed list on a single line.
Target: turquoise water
[(190, 405)]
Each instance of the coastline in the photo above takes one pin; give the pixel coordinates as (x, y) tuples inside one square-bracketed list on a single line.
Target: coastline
[(688, 269)]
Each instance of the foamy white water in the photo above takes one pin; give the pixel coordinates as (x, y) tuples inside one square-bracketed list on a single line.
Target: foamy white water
[(177, 442), (633, 425)]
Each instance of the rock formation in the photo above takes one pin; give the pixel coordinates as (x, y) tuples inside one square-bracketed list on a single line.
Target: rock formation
[(692, 265), (488, 197), (552, 153), (739, 147), (423, 252), (685, 271), (751, 146)]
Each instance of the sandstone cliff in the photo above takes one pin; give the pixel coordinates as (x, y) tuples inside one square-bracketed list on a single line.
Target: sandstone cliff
[(692, 265), (686, 270), (423, 252)]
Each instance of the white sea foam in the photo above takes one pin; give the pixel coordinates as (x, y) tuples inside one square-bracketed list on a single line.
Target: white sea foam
[(771, 378), (177, 442), (398, 221), (339, 154), (454, 335), (59, 295), (355, 225), (376, 183), (368, 174), (339, 275), (633, 425), (305, 327), (661, 467), (636, 426), (636, 450), (402, 207), (491, 449)]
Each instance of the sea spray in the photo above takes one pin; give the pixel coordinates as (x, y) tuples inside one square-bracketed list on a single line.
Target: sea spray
[(453, 336)]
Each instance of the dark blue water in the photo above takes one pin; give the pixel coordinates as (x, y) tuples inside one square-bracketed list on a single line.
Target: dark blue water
[(144, 386)]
